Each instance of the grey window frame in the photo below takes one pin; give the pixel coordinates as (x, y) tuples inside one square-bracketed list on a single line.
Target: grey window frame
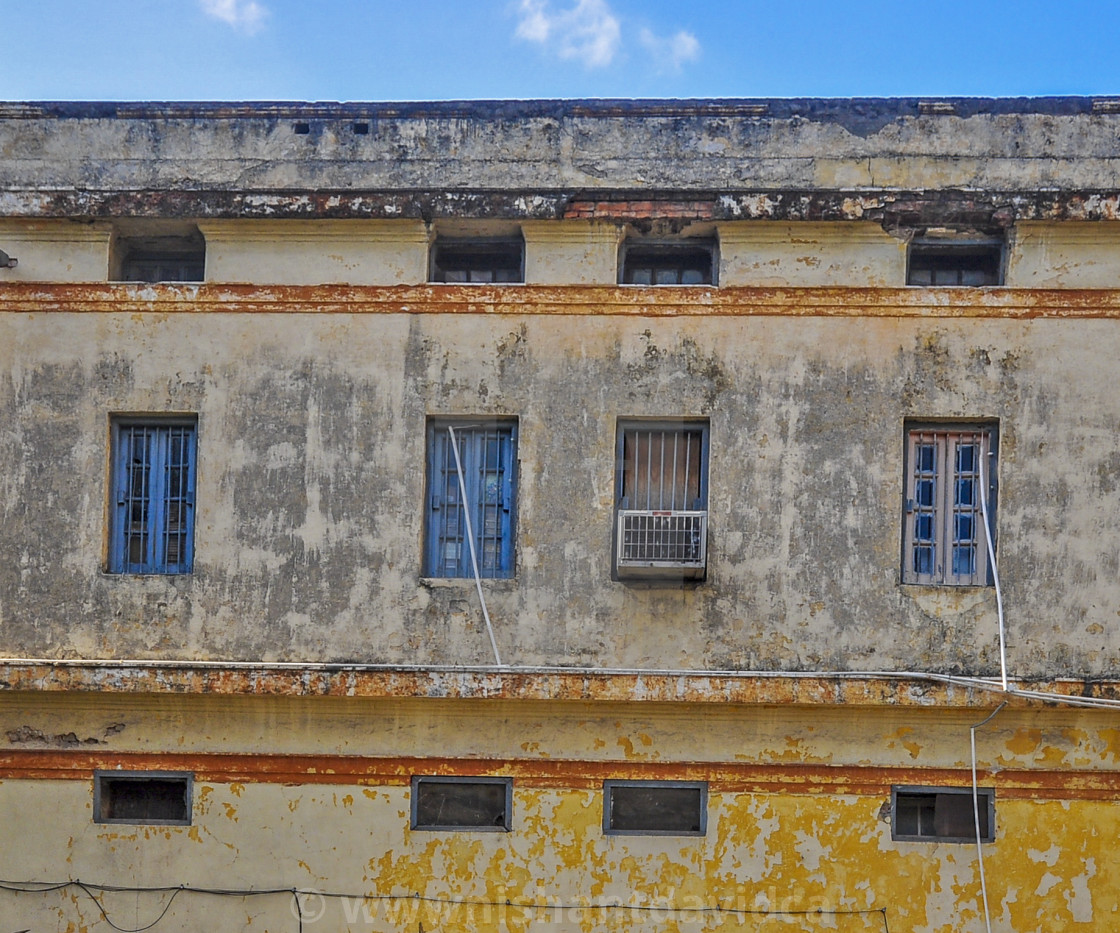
[(419, 780), (942, 512), (986, 795), (610, 786), (102, 775)]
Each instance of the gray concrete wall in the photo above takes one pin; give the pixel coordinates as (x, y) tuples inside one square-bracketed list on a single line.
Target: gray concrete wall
[(1062, 144)]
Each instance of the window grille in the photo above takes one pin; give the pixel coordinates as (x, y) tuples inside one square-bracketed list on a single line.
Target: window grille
[(944, 535), (662, 517), (152, 497), (488, 457)]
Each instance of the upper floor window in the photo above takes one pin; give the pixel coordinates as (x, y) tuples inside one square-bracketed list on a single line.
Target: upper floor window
[(662, 499), (152, 495), (471, 486), (683, 262), (955, 262), (149, 253), (944, 539), (477, 260)]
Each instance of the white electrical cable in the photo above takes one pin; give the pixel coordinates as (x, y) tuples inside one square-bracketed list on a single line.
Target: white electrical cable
[(976, 814), (470, 542), (995, 572)]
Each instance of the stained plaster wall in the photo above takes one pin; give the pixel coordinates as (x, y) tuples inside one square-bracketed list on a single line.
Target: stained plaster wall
[(310, 512), (792, 838)]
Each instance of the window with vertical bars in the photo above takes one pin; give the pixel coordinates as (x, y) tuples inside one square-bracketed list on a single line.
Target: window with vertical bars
[(662, 498), (944, 540), (152, 504), (471, 498)]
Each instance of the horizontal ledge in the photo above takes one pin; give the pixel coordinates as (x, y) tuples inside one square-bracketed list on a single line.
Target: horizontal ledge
[(294, 679), (553, 773), (641, 301)]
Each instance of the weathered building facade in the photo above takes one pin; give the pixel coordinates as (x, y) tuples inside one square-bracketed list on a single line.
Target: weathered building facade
[(586, 515)]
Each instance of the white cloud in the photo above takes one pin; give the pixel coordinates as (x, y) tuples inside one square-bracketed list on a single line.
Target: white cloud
[(588, 31), (247, 15), (671, 53)]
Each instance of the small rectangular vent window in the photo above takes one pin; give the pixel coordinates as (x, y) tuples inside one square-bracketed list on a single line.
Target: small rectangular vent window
[(941, 814), (668, 264), (478, 261), (659, 808), (142, 797), (954, 263), (480, 804)]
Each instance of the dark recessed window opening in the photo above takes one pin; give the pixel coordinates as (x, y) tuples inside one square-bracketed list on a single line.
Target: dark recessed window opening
[(968, 264), (158, 257), (301, 129), (361, 129), (675, 264), (477, 261), (480, 804), (666, 808), (142, 797), (941, 814)]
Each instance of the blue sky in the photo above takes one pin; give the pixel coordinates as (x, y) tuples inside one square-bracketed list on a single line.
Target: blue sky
[(439, 49)]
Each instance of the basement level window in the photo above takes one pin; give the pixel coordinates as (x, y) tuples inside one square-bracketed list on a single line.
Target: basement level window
[(941, 814), (477, 261), (450, 803), (967, 263), (161, 797), (655, 808), (681, 263)]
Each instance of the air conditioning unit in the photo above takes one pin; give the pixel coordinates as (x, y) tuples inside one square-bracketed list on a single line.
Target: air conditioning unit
[(662, 544)]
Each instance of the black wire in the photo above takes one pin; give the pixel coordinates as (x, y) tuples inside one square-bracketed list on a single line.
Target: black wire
[(39, 887), (162, 914)]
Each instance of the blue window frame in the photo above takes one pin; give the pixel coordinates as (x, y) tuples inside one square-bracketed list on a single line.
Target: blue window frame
[(153, 487), (478, 506), (944, 538)]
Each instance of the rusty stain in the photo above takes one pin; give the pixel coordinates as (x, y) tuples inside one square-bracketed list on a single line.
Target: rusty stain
[(531, 300), (734, 777)]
